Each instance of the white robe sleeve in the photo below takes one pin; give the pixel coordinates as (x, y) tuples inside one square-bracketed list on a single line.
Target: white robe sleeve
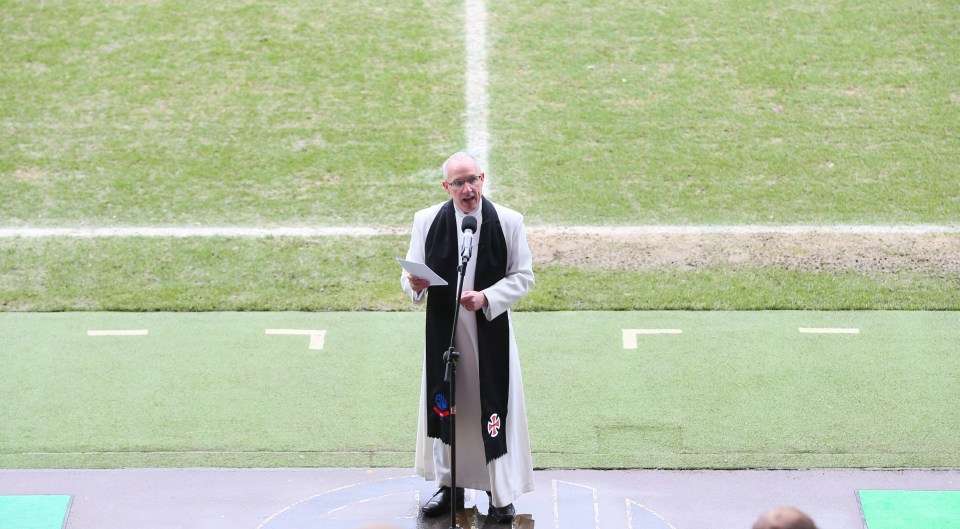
[(519, 279), (417, 254)]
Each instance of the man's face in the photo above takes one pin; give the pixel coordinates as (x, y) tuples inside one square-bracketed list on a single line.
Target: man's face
[(464, 183)]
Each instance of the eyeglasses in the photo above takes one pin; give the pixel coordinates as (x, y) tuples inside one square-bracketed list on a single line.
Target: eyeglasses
[(458, 184)]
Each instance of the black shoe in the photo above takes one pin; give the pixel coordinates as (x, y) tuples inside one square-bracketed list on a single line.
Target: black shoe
[(440, 502), (500, 514)]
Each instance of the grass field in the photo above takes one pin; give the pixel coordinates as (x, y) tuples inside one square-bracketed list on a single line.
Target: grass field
[(240, 113), (296, 113), (728, 112), (132, 113)]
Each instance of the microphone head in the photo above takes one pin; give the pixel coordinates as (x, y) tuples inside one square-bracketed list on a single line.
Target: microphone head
[(469, 223)]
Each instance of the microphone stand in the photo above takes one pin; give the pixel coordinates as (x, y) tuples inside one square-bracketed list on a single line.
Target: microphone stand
[(450, 376)]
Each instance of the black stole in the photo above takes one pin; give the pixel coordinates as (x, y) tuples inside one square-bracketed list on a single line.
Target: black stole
[(443, 256)]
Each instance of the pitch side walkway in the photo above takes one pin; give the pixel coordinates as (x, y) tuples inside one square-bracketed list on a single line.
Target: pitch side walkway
[(349, 498)]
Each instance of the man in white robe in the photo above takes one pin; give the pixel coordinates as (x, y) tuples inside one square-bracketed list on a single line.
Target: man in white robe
[(492, 456)]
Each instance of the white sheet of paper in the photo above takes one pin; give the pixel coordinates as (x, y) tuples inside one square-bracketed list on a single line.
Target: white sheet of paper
[(422, 271)]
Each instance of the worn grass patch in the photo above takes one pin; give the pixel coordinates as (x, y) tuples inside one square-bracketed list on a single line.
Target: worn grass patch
[(360, 274)]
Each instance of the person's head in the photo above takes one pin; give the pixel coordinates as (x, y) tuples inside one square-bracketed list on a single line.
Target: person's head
[(784, 518), (463, 180)]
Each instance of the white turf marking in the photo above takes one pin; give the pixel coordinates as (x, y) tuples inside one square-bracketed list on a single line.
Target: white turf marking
[(630, 335), (556, 502), (316, 336), (828, 330), (135, 332), (213, 231), (631, 504), (369, 231), (478, 135), (750, 229)]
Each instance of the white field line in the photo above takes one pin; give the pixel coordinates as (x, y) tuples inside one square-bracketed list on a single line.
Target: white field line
[(127, 332), (829, 330), (211, 231), (630, 335), (367, 231), (478, 136), (750, 229), (316, 335)]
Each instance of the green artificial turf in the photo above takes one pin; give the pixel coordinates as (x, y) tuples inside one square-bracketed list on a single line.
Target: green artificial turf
[(733, 390), (34, 512), (906, 509)]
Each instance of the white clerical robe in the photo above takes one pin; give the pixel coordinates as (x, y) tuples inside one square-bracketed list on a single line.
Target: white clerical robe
[(510, 475)]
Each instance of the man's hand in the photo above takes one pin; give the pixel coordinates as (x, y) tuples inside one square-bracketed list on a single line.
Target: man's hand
[(417, 284), (473, 301)]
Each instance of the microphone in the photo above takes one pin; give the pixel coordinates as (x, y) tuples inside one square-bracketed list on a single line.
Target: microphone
[(468, 226)]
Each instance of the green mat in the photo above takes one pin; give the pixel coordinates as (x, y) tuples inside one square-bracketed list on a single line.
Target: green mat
[(910, 509), (33, 512)]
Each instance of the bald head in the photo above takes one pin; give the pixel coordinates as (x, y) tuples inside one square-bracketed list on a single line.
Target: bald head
[(463, 180), (784, 518), (459, 158)]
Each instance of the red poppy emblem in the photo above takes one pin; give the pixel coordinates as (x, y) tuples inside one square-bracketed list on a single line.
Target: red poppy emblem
[(493, 427)]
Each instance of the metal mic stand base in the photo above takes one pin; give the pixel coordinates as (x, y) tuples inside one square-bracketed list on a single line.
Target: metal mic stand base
[(450, 376)]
